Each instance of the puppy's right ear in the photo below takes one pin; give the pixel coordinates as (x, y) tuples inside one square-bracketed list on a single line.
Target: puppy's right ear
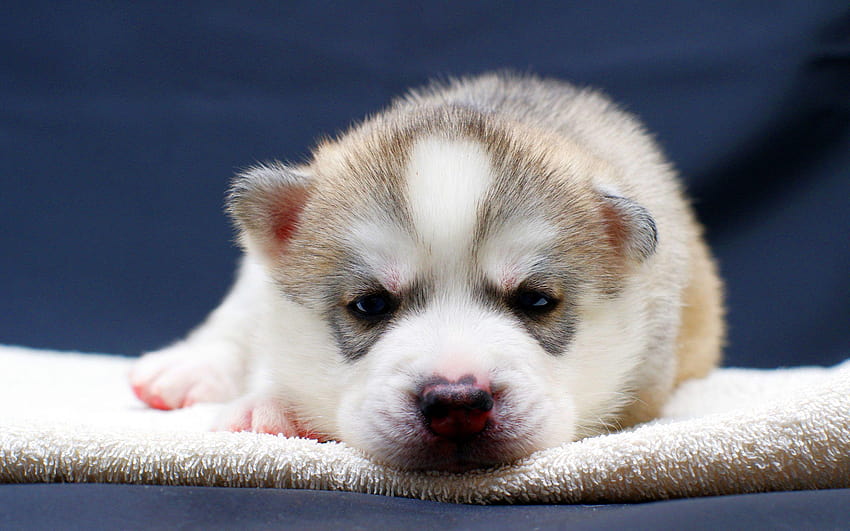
[(266, 202)]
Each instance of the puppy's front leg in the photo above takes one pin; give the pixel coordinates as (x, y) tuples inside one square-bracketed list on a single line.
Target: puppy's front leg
[(210, 365)]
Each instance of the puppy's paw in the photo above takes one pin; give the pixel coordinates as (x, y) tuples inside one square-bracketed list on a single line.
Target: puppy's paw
[(180, 376), (261, 414)]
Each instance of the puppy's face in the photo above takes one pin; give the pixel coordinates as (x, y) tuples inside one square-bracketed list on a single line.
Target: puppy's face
[(472, 281)]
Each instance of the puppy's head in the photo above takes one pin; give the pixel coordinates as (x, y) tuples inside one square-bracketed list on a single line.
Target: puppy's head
[(471, 278)]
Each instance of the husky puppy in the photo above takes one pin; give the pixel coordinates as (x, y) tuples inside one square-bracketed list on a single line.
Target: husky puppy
[(489, 267)]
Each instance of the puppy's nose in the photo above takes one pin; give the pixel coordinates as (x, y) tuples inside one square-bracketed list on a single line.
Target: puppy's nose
[(455, 410)]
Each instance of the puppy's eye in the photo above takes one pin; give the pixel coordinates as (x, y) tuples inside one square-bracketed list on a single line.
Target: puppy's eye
[(372, 307), (533, 302)]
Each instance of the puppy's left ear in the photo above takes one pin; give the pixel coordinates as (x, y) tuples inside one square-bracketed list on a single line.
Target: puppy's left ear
[(630, 227), (266, 202)]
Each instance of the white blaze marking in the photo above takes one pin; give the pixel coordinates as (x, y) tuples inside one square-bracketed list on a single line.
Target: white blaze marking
[(447, 180)]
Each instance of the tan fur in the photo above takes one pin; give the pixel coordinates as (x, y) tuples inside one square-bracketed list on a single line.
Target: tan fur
[(702, 332)]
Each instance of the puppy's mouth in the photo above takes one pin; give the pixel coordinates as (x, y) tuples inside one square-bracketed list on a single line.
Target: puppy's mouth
[(451, 455), (492, 446)]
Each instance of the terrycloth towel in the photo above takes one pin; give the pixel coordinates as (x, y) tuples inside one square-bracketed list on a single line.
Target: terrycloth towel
[(72, 417)]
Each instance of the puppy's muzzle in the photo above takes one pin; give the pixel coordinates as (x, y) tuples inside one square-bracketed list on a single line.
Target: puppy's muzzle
[(456, 410)]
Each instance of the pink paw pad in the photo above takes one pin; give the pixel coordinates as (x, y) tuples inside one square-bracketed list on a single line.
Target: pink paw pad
[(155, 401)]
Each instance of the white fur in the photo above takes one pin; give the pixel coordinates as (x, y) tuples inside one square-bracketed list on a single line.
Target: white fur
[(446, 182), (602, 357)]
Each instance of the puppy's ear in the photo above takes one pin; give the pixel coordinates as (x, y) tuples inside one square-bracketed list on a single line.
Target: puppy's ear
[(266, 202), (630, 227)]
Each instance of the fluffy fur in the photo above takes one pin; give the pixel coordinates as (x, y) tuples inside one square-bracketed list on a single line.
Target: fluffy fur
[(521, 240)]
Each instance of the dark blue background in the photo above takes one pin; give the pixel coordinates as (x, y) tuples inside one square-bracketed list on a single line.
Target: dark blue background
[(121, 123)]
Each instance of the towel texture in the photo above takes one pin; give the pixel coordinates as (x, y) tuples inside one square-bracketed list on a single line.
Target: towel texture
[(71, 417)]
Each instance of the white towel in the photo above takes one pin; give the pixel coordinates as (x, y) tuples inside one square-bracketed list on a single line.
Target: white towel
[(72, 417)]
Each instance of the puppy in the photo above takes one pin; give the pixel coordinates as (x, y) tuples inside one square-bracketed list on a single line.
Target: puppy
[(489, 267)]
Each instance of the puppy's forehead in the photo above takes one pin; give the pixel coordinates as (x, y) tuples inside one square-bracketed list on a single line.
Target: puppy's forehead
[(450, 188)]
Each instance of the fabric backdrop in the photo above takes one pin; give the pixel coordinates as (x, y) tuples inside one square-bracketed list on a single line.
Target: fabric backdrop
[(121, 123)]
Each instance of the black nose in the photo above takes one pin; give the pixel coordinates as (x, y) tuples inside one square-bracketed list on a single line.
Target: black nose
[(455, 410)]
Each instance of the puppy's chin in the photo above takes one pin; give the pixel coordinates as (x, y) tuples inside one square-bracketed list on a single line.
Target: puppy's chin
[(457, 457), (426, 451)]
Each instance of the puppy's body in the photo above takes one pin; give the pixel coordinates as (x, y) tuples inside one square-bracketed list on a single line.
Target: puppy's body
[(487, 268)]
